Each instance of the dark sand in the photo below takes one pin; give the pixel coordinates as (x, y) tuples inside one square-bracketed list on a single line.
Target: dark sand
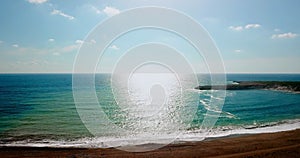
[(281, 144)]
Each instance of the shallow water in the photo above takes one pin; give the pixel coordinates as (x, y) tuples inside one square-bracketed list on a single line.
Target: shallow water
[(39, 110)]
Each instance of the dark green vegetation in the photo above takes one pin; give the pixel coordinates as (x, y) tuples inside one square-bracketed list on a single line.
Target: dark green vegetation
[(247, 85)]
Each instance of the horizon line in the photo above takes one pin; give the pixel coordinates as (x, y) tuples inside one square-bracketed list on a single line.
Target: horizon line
[(111, 73)]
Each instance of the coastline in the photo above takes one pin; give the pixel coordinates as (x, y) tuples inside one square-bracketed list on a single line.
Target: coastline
[(284, 86), (279, 144)]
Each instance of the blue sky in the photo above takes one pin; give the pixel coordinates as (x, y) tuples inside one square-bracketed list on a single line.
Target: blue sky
[(253, 36)]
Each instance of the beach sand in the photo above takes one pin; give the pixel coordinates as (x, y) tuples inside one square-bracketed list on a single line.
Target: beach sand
[(280, 144)]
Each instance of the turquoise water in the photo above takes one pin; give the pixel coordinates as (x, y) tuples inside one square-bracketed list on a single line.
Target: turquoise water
[(39, 110)]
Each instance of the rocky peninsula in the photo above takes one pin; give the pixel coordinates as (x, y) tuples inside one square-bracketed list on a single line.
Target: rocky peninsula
[(289, 86)]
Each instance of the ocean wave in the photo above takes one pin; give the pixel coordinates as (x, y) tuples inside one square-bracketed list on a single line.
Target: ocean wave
[(270, 127), (217, 110), (189, 135)]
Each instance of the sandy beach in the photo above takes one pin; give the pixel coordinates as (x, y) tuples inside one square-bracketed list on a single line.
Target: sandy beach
[(280, 144)]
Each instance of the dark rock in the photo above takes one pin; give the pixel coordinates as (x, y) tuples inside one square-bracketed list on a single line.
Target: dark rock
[(247, 85)]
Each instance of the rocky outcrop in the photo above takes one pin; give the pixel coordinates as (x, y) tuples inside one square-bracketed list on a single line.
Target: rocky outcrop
[(247, 85)]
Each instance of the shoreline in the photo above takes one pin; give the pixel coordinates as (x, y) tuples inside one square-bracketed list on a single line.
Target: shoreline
[(271, 127), (279, 144), (193, 136)]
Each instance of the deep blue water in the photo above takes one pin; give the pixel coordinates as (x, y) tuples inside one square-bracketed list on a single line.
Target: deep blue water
[(41, 106)]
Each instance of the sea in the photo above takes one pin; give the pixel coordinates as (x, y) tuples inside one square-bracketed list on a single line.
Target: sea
[(39, 110)]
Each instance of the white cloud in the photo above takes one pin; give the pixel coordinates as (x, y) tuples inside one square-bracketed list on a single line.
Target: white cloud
[(110, 11), (255, 26), (70, 48), (1, 42), (51, 40), (237, 51), (276, 30), (114, 47), (79, 41), (93, 41), (32, 62), (96, 9), (37, 1), (236, 28), (26, 50), (248, 26), (284, 35), (59, 12)]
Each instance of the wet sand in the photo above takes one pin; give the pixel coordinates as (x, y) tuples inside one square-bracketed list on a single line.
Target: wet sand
[(280, 144)]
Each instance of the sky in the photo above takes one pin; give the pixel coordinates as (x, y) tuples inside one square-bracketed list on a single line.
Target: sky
[(253, 36)]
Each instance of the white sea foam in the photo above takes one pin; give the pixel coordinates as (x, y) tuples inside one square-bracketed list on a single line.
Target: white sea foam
[(267, 128), (189, 135)]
